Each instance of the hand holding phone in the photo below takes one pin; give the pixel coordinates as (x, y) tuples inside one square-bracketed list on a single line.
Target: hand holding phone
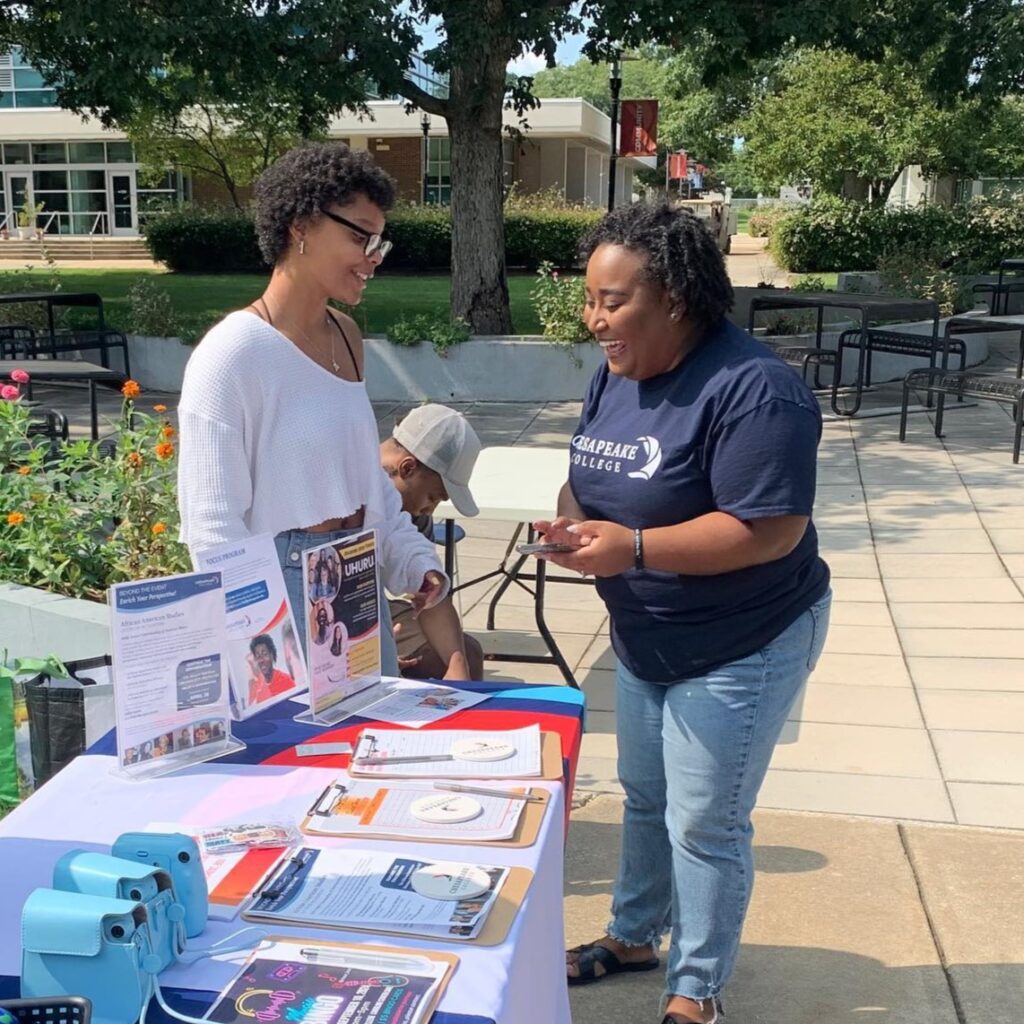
[(546, 549)]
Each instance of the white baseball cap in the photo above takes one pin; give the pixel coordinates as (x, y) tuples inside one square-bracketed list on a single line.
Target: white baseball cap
[(443, 441)]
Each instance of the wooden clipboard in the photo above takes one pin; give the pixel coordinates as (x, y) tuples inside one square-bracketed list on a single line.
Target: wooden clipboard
[(550, 766), (428, 954), (494, 932), (527, 828)]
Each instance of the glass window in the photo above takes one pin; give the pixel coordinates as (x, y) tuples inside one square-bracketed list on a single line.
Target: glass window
[(49, 153), (89, 180), (49, 181), (86, 153), (120, 153), (6, 100), (88, 202), (18, 58), (15, 152), (28, 78), (52, 200), (39, 98)]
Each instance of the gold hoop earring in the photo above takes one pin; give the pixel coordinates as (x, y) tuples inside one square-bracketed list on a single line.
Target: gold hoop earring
[(302, 247)]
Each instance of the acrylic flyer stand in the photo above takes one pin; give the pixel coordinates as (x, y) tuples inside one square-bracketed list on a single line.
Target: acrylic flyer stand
[(265, 662), (341, 587), (171, 698)]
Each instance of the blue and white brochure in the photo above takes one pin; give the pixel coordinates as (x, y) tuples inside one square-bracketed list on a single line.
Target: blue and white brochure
[(169, 662)]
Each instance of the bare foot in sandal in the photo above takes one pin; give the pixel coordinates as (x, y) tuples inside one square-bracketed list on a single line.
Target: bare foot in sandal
[(596, 960)]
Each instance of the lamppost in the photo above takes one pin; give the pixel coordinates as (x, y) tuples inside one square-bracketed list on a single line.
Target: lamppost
[(615, 85), (425, 125)]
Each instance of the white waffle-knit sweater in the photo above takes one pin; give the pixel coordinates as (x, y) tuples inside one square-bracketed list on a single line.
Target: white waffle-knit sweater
[(271, 441)]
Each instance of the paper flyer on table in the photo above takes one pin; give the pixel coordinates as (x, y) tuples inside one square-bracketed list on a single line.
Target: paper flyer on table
[(341, 583), (341, 888), (265, 661), (232, 879), (358, 807), (415, 704), (331, 985), (171, 699)]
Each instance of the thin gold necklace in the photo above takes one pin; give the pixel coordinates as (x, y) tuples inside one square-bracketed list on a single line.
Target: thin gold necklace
[(309, 341)]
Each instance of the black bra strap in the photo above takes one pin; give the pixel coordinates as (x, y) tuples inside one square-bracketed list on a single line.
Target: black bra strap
[(337, 323), (333, 319)]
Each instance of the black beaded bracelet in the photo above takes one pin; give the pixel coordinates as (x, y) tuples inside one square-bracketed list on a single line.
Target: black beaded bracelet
[(638, 549)]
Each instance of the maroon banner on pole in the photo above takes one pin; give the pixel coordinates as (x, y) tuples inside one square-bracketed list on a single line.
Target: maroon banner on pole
[(677, 166), (639, 130)]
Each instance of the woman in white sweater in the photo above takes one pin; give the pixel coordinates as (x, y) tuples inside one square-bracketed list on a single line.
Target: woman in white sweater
[(277, 432)]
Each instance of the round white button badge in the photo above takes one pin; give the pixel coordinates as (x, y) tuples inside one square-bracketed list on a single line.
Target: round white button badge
[(445, 809), (482, 750), (446, 881)]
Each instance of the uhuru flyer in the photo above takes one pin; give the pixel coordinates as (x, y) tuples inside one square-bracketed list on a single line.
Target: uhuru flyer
[(342, 590)]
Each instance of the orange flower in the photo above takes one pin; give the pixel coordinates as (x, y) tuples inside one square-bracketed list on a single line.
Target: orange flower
[(158, 528), (135, 459), (159, 408), (164, 450), (131, 389), (15, 518), (168, 431), (24, 470)]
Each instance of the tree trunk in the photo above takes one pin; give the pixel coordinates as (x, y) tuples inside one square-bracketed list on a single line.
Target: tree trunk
[(479, 287)]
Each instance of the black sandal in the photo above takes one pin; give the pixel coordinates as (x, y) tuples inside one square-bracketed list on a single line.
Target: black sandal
[(591, 954)]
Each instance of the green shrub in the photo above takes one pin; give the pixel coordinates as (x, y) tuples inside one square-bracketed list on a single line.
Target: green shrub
[(422, 237), (198, 240), (547, 235), (441, 332), (764, 219), (834, 235), (559, 300), (908, 275)]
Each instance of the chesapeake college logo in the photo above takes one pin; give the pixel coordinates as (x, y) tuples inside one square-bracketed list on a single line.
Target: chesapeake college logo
[(639, 461), (652, 451)]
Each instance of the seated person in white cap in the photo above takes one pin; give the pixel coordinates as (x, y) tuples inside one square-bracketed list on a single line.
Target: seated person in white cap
[(430, 457)]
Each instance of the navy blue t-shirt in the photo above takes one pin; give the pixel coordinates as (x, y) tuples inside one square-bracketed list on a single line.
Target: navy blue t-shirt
[(731, 429)]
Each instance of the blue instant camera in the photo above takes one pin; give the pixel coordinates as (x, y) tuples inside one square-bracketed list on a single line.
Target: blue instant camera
[(93, 946), (178, 855), (99, 874)]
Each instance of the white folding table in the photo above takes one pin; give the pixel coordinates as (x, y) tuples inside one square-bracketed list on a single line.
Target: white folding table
[(517, 485)]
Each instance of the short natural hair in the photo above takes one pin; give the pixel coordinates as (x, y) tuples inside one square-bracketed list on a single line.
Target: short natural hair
[(308, 179), (679, 252), (263, 640)]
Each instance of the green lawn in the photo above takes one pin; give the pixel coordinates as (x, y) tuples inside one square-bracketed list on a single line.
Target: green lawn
[(207, 297), (743, 220), (830, 277)]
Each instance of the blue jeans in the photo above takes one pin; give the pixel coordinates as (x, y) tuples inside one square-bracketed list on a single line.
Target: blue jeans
[(290, 546), (692, 757)]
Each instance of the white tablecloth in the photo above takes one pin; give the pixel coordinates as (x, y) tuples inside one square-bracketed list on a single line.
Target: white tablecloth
[(87, 807)]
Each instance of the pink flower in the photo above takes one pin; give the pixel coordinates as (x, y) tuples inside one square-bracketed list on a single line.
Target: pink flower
[(10, 393), (19, 376)]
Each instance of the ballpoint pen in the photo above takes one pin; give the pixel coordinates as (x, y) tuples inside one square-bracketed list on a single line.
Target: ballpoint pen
[(383, 759), (510, 794)]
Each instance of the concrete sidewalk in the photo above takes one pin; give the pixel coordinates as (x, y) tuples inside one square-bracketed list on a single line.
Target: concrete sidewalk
[(853, 920)]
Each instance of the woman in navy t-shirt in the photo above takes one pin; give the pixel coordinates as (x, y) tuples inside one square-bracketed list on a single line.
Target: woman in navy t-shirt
[(689, 497)]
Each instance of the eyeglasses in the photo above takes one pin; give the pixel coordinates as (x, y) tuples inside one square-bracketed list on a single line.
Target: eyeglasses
[(375, 244)]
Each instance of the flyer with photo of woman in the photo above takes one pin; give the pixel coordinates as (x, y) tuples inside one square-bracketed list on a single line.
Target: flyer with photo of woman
[(342, 587)]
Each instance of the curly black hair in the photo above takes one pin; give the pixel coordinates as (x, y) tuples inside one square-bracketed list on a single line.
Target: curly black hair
[(308, 179), (264, 640), (680, 254)]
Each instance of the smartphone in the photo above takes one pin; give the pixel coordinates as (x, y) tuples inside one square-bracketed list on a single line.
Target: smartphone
[(546, 549)]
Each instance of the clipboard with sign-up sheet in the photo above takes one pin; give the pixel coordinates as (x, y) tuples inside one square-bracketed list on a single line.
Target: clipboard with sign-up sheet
[(388, 810), (363, 890), (434, 754)]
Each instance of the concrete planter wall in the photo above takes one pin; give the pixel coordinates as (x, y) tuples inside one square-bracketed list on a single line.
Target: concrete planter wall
[(37, 623), (485, 369)]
